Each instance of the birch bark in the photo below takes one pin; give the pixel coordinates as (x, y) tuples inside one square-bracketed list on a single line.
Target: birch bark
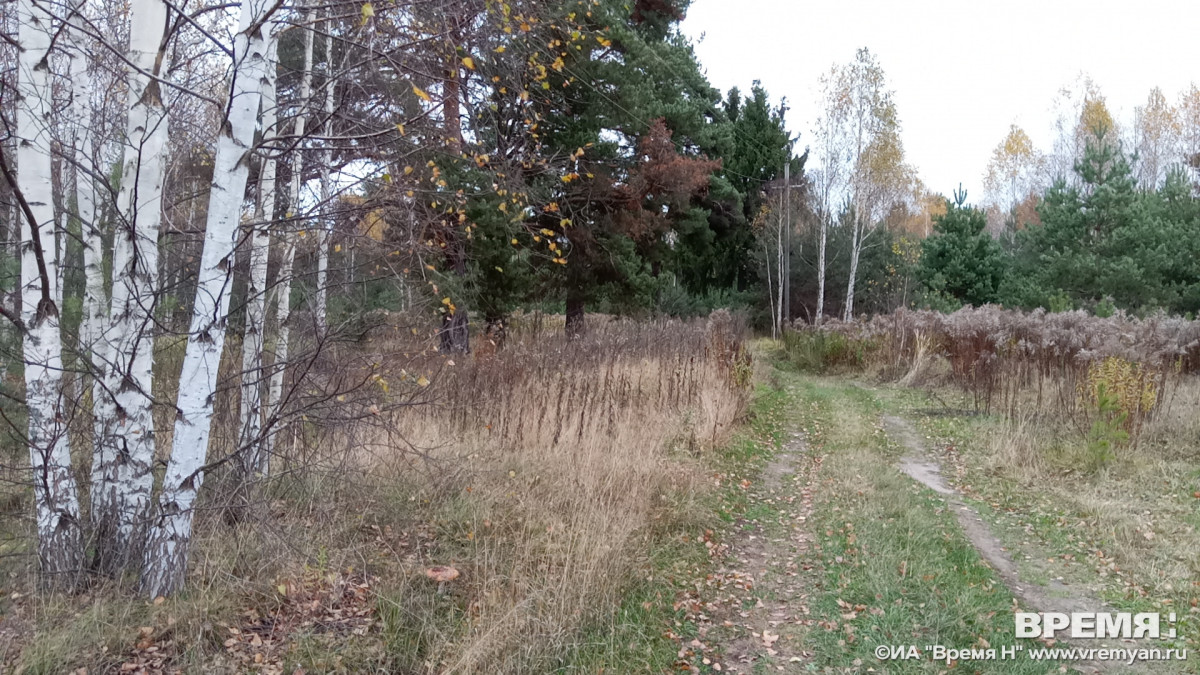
[(283, 284), (121, 493), (324, 231), (253, 460), (56, 500), (169, 542), (821, 269), (82, 163)]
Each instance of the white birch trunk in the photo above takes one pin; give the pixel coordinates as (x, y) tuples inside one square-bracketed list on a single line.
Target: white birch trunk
[(325, 230), (92, 346), (253, 459), (56, 499), (821, 271), (283, 283), (83, 163), (855, 250), (122, 497), (169, 541)]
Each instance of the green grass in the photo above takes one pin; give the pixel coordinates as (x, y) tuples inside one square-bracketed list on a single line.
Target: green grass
[(891, 566), (1054, 536)]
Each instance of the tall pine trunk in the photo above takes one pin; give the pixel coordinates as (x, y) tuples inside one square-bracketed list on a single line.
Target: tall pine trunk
[(121, 498), (56, 499), (170, 538)]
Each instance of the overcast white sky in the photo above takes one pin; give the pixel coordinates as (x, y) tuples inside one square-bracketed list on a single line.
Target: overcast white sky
[(962, 72)]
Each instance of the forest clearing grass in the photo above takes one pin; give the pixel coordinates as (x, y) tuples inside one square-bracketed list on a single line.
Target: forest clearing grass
[(1076, 435), (1126, 531), (890, 564), (646, 633), (571, 483)]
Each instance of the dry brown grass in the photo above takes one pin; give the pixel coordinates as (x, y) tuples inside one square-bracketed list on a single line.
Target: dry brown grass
[(542, 472), (560, 455), (1131, 520)]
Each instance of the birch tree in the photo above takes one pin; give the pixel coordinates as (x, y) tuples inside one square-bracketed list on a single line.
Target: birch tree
[(82, 162), (1080, 113), (252, 459), (283, 286), (1013, 172), (861, 154), (169, 541), (1188, 111), (60, 540), (829, 133), (121, 495), (325, 228), (1157, 139)]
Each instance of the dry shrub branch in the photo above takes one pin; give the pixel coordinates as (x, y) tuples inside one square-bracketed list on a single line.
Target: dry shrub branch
[(1069, 365)]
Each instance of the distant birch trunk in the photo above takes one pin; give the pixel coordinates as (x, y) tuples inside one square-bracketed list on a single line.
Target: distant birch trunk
[(169, 541), (82, 163), (325, 230), (821, 270), (56, 500), (283, 284), (253, 460), (121, 498), (855, 251)]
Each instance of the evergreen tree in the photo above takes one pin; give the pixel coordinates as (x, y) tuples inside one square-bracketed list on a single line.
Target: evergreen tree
[(960, 260)]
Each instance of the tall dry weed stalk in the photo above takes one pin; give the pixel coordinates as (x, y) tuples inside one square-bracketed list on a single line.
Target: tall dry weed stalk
[(540, 470), (1049, 362)]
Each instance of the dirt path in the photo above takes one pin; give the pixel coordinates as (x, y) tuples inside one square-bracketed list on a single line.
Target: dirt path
[(760, 604), (834, 553), (921, 466)]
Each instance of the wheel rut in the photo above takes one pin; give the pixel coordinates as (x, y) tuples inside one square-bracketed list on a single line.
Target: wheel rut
[(922, 466)]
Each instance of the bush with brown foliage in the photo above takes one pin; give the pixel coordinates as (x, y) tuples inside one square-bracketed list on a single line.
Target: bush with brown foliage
[(1055, 361)]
